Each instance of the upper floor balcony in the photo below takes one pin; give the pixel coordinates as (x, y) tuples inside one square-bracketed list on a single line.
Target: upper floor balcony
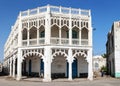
[(58, 36)]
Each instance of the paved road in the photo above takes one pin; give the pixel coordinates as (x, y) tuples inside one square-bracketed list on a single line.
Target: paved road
[(96, 82)]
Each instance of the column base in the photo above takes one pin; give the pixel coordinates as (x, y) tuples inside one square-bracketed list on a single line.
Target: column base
[(18, 78), (90, 78), (47, 80), (70, 79)]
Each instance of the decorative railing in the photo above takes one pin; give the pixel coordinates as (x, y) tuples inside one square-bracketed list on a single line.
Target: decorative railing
[(24, 42), (33, 42), (84, 42), (41, 41), (64, 41), (55, 41), (55, 9), (75, 41)]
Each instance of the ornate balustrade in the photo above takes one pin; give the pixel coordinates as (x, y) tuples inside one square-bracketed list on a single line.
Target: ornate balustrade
[(56, 9), (55, 41)]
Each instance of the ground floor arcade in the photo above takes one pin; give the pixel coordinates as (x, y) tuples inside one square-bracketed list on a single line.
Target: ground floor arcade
[(51, 63)]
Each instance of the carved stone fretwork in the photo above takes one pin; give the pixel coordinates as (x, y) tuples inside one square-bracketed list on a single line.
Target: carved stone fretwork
[(55, 21), (32, 52), (63, 52), (65, 22), (84, 24), (75, 23), (77, 53)]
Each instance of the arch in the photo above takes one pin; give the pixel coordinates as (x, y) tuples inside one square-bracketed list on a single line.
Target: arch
[(54, 31), (58, 66), (75, 32), (41, 31), (33, 32), (60, 53), (64, 32), (80, 53), (84, 33), (33, 53), (24, 34)]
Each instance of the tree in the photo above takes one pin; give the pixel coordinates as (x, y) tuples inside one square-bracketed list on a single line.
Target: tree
[(104, 55)]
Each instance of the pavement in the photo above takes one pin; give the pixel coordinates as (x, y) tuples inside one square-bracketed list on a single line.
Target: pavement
[(99, 81)]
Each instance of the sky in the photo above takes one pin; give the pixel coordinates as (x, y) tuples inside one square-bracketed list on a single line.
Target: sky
[(104, 13)]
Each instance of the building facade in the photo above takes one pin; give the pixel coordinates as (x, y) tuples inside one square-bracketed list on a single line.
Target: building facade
[(50, 41), (98, 63), (113, 50), (1, 67)]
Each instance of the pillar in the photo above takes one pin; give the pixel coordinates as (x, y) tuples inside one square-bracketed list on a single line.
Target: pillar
[(70, 30), (14, 68), (19, 65), (90, 69), (59, 35), (10, 67), (70, 60), (79, 36), (47, 26), (28, 38), (38, 33), (47, 64)]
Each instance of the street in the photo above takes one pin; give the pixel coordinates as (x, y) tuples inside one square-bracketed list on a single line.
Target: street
[(95, 82)]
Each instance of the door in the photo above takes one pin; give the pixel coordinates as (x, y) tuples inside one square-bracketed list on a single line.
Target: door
[(30, 66), (74, 68)]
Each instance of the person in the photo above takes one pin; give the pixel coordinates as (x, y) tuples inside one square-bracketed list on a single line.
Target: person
[(102, 73)]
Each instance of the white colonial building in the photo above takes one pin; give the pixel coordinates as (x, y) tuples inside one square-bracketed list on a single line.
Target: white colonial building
[(113, 50), (98, 63), (51, 41)]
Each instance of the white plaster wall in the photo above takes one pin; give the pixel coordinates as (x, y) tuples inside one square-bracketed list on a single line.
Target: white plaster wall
[(82, 65), (58, 65), (35, 64), (117, 61)]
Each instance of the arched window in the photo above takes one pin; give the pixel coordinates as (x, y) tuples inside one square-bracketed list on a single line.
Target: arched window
[(84, 33), (55, 31), (64, 32), (24, 34), (33, 33), (41, 32), (75, 32)]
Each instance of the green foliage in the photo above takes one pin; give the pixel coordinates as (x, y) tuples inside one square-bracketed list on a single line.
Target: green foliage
[(104, 68), (104, 55)]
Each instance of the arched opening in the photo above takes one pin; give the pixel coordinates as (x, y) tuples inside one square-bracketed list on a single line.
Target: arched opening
[(59, 67), (75, 35), (55, 31), (32, 65), (24, 37), (42, 35), (33, 36), (80, 65), (84, 36), (41, 32), (24, 34), (84, 33), (33, 33), (64, 32), (64, 35), (55, 34)]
